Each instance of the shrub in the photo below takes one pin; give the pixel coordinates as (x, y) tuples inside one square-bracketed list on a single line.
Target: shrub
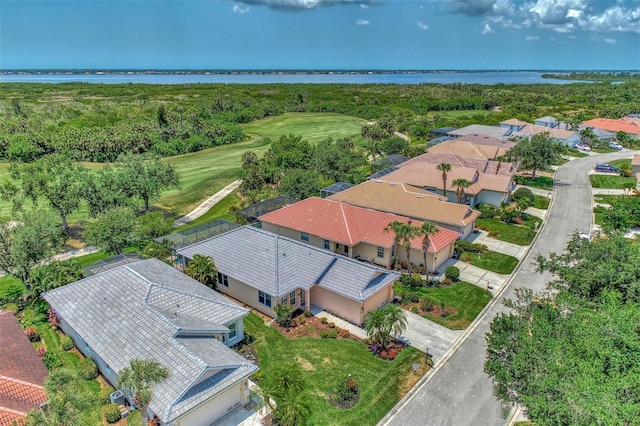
[(111, 413), (332, 325), (329, 334), (50, 360), (11, 307), (487, 211), (426, 305), (462, 246), (307, 314), (134, 418), (66, 342), (283, 311), (88, 369), (310, 329), (302, 320), (41, 351), (416, 279), (447, 281), (415, 309), (52, 318), (344, 333), (411, 296), (523, 193), (324, 320), (105, 395), (452, 273), (32, 333), (465, 257)]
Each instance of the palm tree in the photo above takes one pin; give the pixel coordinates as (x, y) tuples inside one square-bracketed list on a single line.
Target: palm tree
[(381, 323), (461, 184), (444, 168), (427, 229), (523, 203), (67, 401), (404, 232), (139, 378), (397, 228), (587, 135), (286, 386), (203, 269)]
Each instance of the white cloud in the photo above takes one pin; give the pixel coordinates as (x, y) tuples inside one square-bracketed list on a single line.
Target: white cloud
[(610, 40), (362, 22), (423, 26), (487, 29), (531, 38), (237, 8)]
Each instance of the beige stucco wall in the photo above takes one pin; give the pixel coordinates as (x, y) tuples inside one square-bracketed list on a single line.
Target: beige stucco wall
[(215, 408), (314, 240), (346, 308), (249, 295), (492, 197), (369, 252), (383, 296)]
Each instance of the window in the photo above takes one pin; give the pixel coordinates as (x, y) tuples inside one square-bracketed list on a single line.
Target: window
[(264, 298), (304, 236), (327, 245), (393, 250), (223, 280), (381, 252), (284, 300), (232, 331), (292, 298)]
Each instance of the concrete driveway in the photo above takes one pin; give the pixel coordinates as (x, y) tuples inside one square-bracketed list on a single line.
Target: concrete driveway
[(424, 334)]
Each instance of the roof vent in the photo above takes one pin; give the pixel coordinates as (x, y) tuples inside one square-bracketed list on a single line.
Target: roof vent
[(392, 183), (419, 196)]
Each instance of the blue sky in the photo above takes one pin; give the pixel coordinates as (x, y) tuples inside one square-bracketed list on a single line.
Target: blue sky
[(320, 34)]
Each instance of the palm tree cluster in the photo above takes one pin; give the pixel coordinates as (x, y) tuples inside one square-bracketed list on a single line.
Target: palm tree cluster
[(202, 268), (405, 232), (286, 387), (139, 378), (384, 322)]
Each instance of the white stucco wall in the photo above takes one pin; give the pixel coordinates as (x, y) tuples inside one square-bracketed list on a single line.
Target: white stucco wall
[(491, 197), (215, 408)]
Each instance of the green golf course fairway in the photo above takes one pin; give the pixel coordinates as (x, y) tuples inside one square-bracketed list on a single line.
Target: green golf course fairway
[(203, 173)]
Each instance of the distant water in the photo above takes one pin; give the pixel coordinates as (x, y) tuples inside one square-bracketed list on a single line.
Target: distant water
[(488, 77)]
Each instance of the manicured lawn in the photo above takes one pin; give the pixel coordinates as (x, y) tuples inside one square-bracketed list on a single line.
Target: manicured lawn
[(493, 261), (463, 112), (572, 152), (10, 288), (611, 181), (622, 164), (605, 199), (603, 150), (542, 182), (467, 299), (219, 211), (516, 234), (541, 202), (327, 362)]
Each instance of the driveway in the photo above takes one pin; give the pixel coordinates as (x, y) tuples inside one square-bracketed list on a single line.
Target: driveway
[(424, 334), (458, 392)]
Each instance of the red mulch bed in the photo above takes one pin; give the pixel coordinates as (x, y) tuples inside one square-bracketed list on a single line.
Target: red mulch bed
[(302, 326), (435, 311)]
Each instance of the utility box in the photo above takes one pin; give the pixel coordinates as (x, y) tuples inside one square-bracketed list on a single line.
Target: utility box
[(117, 397)]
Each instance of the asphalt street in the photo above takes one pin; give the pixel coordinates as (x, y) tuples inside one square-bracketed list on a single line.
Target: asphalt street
[(460, 393)]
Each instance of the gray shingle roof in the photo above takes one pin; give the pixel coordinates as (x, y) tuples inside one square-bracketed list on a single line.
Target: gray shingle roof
[(278, 265), (136, 311), (480, 129)]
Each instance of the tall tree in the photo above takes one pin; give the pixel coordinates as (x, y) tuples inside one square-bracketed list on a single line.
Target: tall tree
[(139, 378), (403, 234), (148, 176), (444, 168), (27, 242), (462, 184), (300, 184), (287, 386), (427, 229), (54, 178), (203, 269), (536, 153), (105, 189), (112, 230)]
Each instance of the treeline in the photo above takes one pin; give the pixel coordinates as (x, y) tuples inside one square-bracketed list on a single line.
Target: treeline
[(99, 122)]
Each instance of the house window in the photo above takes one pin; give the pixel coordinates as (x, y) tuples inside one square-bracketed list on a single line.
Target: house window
[(327, 245), (264, 299), (107, 369), (284, 300), (304, 236), (292, 298), (233, 333), (393, 250), (381, 252), (223, 280)]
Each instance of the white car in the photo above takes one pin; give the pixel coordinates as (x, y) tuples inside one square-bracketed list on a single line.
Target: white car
[(583, 147), (616, 145)]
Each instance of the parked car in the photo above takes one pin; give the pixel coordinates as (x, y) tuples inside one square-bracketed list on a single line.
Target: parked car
[(606, 168), (583, 147), (616, 145)]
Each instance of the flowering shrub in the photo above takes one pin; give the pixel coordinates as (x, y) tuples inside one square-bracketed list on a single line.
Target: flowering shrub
[(390, 353), (32, 333), (52, 318), (41, 351)]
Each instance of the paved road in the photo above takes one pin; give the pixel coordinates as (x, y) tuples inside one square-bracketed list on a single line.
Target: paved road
[(208, 203), (460, 393)]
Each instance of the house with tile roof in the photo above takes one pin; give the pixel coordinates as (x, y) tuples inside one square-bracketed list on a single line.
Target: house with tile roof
[(22, 373), (150, 310), (566, 137), (481, 165), (486, 188), (467, 149), (626, 125), (547, 121), (264, 269), (411, 202), (356, 232)]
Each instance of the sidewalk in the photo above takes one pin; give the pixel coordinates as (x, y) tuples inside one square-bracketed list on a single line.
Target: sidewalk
[(607, 191), (493, 244), (477, 276), (339, 322), (208, 203)]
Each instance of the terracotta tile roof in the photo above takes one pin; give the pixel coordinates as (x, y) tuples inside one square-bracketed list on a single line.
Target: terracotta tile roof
[(468, 149), (347, 224), (532, 129), (22, 373), (636, 160), (426, 175), (11, 417), (407, 201), (482, 166), (611, 125)]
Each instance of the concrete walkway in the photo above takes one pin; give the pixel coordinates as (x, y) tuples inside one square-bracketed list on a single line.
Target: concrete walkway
[(607, 191), (339, 322), (536, 212), (478, 276), (515, 250), (75, 253), (208, 203), (428, 336)]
